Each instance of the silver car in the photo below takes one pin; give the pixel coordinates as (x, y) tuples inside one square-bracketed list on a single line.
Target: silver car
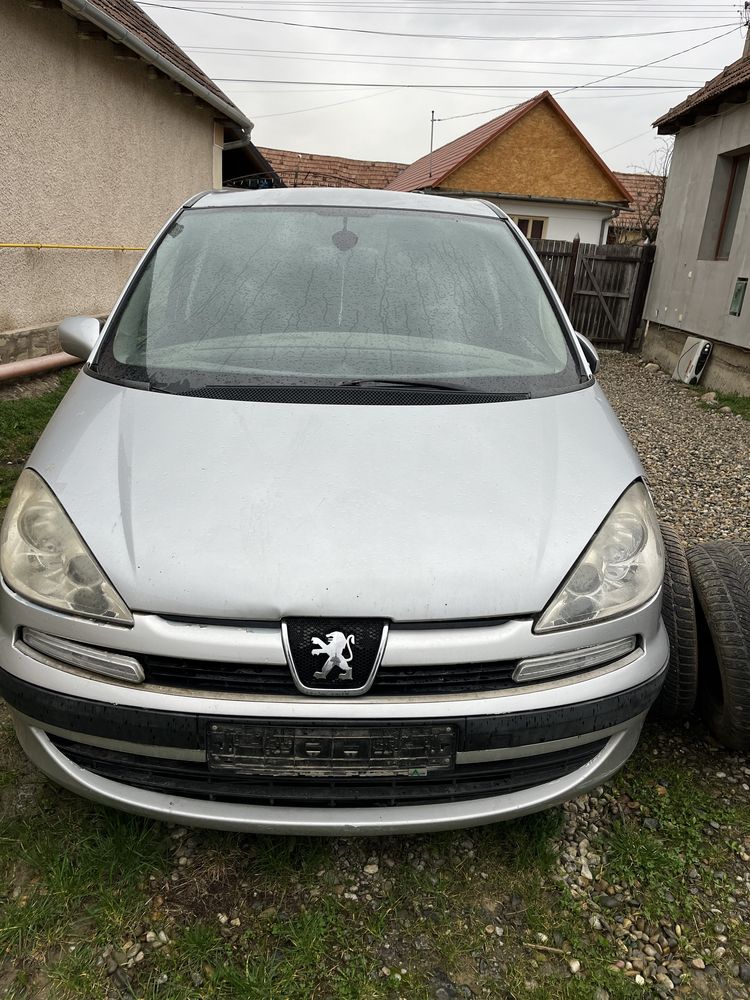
[(334, 533)]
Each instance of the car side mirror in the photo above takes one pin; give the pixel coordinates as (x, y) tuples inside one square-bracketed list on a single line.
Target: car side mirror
[(589, 352), (78, 335)]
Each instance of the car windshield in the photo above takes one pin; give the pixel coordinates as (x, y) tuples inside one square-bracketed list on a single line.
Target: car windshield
[(332, 296)]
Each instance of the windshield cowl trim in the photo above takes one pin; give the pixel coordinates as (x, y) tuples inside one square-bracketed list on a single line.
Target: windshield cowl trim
[(331, 395)]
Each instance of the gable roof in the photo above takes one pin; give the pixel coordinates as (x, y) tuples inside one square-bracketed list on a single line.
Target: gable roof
[(731, 84), (125, 22), (430, 171), (318, 170)]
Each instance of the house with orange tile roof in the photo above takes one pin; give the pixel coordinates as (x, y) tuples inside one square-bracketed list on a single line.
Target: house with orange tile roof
[(535, 164), (319, 170), (634, 224), (702, 268), (639, 222)]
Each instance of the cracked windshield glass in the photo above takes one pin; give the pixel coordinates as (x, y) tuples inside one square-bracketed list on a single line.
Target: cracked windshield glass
[(270, 296)]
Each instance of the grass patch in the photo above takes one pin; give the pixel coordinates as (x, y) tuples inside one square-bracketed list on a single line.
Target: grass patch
[(649, 865), (736, 403), (77, 872), (311, 954), (652, 859), (21, 423), (76, 880)]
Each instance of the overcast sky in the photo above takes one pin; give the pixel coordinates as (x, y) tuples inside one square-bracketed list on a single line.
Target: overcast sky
[(523, 47)]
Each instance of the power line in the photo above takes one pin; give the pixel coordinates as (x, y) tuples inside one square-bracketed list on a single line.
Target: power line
[(545, 8), (321, 107), (536, 87), (490, 3), (594, 84), (626, 141), (478, 6), (433, 65), (391, 6), (412, 34), (652, 15), (331, 57), (706, 4)]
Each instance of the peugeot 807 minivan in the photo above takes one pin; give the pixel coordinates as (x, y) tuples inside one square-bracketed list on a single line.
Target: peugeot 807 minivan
[(334, 532)]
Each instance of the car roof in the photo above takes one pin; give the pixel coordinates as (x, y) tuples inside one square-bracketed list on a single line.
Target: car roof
[(344, 198)]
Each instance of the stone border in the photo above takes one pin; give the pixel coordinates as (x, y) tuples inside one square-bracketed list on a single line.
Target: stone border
[(30, 342)]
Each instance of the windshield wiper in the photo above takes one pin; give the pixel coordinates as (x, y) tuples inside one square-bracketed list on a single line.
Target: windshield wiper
[(404, 383)]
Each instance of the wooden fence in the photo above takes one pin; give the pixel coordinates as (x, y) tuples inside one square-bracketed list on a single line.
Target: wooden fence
[(603, 288)]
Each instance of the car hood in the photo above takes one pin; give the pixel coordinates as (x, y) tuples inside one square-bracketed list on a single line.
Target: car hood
[(249, 510)]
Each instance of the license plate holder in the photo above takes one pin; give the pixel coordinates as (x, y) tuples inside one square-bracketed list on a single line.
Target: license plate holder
[(331, 751)]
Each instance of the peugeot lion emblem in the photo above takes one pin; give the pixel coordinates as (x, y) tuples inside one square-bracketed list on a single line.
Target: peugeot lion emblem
[(336, 648), (334, 657)]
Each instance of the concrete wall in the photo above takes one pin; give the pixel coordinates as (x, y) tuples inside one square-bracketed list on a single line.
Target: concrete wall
[(92, 151), (728, 368), (689, 295)]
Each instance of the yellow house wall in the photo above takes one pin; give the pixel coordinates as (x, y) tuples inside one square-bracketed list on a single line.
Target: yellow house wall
[(540, 156)]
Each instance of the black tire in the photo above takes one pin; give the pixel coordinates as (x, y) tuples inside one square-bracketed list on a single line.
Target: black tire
[(677, 697), (744, 548), (721, 582)]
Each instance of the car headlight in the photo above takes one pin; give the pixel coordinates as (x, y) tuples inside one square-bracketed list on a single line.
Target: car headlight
[(43, 558), (622, 568)]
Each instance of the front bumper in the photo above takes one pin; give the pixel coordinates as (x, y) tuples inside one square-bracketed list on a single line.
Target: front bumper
[(591, 720)]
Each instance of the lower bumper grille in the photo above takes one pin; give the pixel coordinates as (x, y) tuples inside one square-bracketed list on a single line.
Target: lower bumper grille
[(195, 780), (249, 678)]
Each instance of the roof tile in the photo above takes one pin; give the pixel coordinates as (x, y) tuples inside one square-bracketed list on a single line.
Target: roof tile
[(429, 171), (318, 170), (737, 74), (130, 16), (646, 189)]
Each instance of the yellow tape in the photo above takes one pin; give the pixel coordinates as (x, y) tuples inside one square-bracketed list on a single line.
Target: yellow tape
[(61, 246)]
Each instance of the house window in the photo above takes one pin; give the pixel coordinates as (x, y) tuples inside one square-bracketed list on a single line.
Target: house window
[(735, 191), (723, 210), (532, 227)]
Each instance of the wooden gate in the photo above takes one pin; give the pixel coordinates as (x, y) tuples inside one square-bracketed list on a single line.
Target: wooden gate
[(603, 288)]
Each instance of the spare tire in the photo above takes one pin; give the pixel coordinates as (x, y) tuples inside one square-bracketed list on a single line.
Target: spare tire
[(677, 697), (721, 582)]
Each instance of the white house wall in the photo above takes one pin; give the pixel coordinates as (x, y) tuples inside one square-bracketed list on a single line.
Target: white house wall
[(565, 221)]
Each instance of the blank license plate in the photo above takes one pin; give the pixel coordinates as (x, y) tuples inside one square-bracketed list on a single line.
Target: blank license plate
[(315, 751)]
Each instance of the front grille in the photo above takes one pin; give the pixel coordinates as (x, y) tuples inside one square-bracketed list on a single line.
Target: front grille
[(345, 662), (194, 780), (275, 679)]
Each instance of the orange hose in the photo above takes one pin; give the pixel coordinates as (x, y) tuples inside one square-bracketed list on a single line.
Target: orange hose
[(36, 366)]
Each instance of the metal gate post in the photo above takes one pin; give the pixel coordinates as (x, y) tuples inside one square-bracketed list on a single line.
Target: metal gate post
[(570, 278), (645, 266)]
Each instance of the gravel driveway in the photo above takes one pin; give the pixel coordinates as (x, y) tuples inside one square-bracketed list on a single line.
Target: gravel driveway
[(697, 459)]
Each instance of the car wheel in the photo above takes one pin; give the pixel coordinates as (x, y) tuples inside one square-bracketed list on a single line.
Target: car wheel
[(677, 697), (721, 582), (744, 548)]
